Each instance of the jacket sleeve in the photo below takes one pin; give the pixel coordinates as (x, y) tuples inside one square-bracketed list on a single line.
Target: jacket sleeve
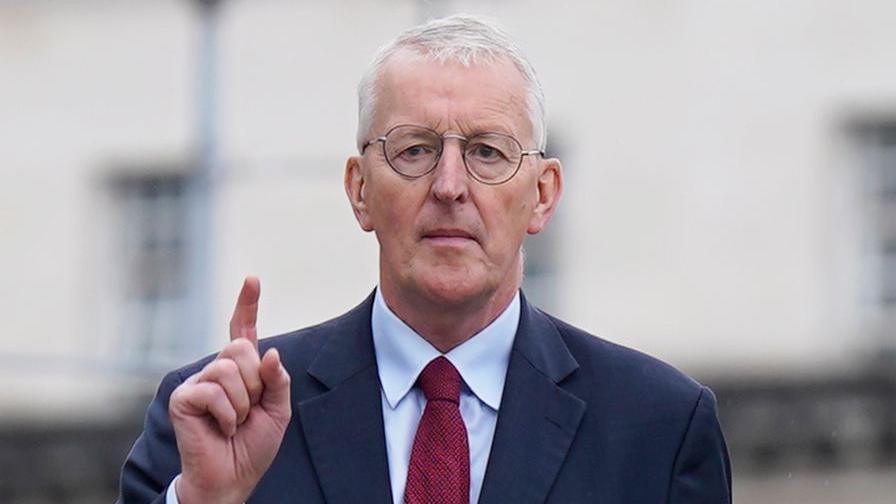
[(153, 461), (702, 471)]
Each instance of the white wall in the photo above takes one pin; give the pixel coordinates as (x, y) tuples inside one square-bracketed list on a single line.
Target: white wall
[(710, 216)]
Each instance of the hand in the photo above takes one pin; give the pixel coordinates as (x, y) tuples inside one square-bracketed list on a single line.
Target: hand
[(230, 417)]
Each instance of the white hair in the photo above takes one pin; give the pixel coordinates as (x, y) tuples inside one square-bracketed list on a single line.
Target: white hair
[(461, 38)]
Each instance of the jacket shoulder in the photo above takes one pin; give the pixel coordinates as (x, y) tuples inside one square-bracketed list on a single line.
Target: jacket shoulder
[(624, 373)]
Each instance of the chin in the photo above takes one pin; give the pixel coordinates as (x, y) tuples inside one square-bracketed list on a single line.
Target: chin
[(454, 286)]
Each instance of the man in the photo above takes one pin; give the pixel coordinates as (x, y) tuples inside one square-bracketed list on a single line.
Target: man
[(445, 385)]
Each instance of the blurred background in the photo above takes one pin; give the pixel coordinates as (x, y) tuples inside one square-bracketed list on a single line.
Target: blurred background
[(730, 207)]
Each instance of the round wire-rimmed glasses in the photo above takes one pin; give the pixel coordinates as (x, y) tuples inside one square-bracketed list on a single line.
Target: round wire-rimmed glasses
[(414, 151)]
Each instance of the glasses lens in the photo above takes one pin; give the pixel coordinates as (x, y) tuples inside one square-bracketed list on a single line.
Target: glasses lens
[(411, 150), (493, 156)]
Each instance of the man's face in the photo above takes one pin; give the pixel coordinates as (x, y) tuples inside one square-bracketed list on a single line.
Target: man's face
[(446, 238)]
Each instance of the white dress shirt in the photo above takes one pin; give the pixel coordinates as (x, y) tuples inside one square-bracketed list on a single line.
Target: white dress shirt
[(401, 355)]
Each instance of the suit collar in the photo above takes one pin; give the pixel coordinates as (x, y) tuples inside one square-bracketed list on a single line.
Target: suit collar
[(401, 354), (348, 348), (538, 419), (343, 426), (540, 343), (344, 430)]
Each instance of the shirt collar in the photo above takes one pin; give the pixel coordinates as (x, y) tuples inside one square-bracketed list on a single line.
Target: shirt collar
[(401, 354)]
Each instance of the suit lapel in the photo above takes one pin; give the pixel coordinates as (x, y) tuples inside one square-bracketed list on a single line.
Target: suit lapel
[(344, 431), (537, 420), (343, 426)]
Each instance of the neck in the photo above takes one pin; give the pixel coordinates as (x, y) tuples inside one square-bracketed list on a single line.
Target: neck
[(446, 325)]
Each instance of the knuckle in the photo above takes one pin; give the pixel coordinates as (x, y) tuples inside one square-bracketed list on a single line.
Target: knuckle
[(209, 371), (242, 345), (235, 346), (177, 396), (227, 366), (234, 349), (181, 391), (210, 391), (225, 352)]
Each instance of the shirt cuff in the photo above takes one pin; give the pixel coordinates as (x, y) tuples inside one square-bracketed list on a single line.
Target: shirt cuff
[(171, 493)]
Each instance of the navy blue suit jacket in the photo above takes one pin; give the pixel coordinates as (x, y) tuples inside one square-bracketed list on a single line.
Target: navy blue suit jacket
[(581, 420)]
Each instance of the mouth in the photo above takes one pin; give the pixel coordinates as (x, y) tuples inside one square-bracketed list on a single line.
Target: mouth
[(448, 236)]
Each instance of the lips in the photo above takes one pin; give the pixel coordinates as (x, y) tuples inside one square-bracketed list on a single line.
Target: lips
[(448, 235)]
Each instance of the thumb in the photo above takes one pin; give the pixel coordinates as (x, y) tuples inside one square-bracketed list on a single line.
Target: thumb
[(275, 399)]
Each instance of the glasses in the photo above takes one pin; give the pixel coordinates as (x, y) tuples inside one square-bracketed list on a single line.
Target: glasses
[(414, 151)]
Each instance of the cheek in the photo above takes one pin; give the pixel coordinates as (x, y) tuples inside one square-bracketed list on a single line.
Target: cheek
[(507, 221), (394, 208)]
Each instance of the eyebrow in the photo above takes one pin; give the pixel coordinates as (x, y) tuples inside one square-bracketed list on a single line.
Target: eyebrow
[(477, 129), (466, 127)]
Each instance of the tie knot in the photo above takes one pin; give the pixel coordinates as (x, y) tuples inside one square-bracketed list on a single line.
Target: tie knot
[(440, 381)]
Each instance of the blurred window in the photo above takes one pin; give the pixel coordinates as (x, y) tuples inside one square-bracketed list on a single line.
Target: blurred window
[(876, 141), (882, 145), (887, 167), (151, 253)]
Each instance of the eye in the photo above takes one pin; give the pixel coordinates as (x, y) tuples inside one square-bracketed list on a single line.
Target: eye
[(485, 153), (416, 152)]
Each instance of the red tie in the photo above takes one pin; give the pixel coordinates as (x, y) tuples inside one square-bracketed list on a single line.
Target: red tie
[(439, 472)]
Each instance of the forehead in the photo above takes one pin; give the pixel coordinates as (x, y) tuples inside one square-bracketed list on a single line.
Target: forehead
[(450, 96)]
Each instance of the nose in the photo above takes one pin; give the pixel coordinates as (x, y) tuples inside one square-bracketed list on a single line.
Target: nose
[(451, 182)]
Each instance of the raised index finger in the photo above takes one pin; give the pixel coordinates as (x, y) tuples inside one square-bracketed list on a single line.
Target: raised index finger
[(242, 324)]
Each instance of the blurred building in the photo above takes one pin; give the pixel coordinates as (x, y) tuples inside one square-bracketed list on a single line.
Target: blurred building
[(730, 199)]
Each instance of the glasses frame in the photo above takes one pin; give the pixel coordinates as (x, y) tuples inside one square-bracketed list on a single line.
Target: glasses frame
[(464, 140)]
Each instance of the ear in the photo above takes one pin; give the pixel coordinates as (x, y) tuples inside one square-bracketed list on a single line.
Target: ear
[(355, 189), (549, 187)]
